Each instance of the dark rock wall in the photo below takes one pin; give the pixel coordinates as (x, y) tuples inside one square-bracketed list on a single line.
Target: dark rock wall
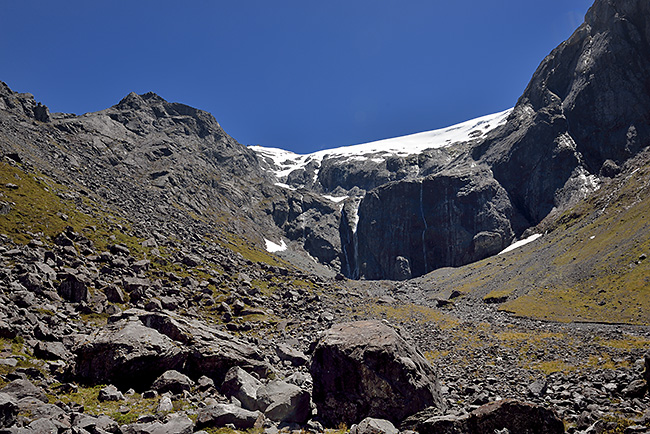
[(411, 228)]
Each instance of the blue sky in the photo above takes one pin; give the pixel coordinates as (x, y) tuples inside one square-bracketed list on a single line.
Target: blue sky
[(301, 75)]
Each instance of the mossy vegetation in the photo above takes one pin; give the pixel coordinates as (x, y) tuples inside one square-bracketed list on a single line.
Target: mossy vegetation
[(42, 208), (135, 404), (36, 207), (412, 312), (249, 250)]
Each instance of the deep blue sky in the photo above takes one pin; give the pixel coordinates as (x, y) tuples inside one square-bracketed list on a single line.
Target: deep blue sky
[(302, 75)]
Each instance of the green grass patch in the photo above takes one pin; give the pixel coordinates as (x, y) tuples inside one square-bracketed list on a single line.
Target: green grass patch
[(88, 397)]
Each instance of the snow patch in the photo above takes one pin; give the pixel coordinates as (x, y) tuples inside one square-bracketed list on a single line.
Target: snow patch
[(520, 243), (271, 247), (288, 187), (335, 199)]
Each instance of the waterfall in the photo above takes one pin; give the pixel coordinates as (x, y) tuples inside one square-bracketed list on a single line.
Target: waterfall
[(426, 226), (349, 236)]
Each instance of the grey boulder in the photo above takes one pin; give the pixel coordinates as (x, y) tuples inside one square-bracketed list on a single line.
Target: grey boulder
[(365, 369), (172, 381), (175, 424), (513, 416), (374, 426), (242, 386), (284, 402), (110, 393), (127, 354), (20, 389), (220, 415)]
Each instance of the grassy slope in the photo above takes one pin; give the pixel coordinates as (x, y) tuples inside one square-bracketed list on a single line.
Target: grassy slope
[(589, 266)]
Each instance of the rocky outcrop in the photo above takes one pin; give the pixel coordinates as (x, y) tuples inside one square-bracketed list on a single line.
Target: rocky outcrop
[(127, 354), (365, 369), (138, 347), (443, 220), (583, 114), (310, 220)]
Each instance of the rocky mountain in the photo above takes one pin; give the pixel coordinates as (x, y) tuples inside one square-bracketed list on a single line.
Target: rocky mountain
[(157, 276), (584, 113)]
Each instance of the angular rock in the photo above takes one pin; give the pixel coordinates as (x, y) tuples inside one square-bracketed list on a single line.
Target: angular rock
[(175, 424), (537, 388), (221, 414), (110, 393), (51, 351), (43, 426), (8, 410), (285, 352), (114, 294), (284, 402), (205, 383), (365, 369), (172, 381), (33, 409), (94, 423), (636, 389), (20, 389), (243, 386), (374, 426), (74, 288), (165, 405)]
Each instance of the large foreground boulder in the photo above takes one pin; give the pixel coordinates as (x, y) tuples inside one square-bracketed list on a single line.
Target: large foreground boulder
[(365, 369), (515, 416)]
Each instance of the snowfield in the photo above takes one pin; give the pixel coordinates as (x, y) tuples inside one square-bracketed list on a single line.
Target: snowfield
[(284, 162)]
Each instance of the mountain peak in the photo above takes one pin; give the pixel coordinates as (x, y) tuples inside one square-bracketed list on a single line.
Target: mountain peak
[(133, 100)]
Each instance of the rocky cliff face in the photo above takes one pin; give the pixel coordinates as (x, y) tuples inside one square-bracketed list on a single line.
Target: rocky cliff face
[(447, 219), (584, 113)]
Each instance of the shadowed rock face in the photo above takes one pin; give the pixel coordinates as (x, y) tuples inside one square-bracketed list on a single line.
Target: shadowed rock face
[(588, 102), (365, 369)]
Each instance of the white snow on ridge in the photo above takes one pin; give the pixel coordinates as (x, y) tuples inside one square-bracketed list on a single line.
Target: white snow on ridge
[(271, 247), (335, 199), (520, 243), (286, 161)]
